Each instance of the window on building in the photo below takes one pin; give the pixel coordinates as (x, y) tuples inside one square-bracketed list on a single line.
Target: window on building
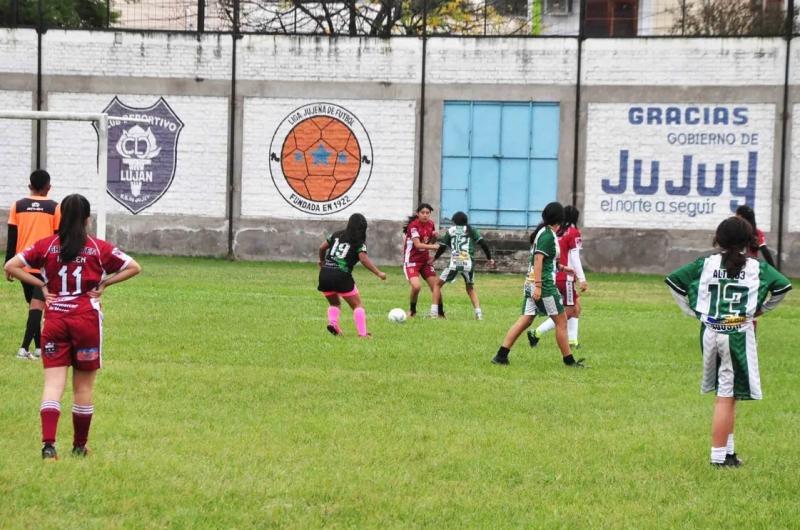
[(611, 18), (499, 161)]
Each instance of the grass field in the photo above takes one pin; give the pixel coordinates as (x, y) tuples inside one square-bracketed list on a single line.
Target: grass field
[(224, 403)]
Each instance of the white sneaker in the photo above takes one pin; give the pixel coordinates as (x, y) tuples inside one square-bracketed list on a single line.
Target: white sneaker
[(22, 353), (478, 316), (36, 354)]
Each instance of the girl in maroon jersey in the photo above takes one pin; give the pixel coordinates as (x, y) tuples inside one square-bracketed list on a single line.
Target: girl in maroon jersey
[(419, 239), (76, 269)]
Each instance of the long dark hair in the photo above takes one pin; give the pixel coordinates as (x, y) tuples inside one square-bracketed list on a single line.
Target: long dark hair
[(75, 209), (747, 213), (733, 236), (356, 231), (552, 214), (421, 207), (571, 215), (461, 219)]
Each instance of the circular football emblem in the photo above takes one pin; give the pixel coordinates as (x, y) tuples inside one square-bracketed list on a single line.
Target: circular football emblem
[(320, 158)]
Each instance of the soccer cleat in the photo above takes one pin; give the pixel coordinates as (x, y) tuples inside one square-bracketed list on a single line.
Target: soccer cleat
[(22, 353), (80, 450), (478, 316), (731, 460), (500, 359), (533, 340), (49, 452), (577, 364), (334, 330), (36, 354), (367, 336), (412, 313)]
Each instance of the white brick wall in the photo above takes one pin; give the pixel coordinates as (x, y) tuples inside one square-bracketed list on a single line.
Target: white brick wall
[(18, 51), (15, 148), (507, 61), (200, 181), (610, 132), (302, 58), (693, 62), (793, 207), (136, 54), (390, 126)]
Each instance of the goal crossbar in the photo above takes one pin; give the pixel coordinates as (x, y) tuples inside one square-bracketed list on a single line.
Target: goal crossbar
[(102, 152)]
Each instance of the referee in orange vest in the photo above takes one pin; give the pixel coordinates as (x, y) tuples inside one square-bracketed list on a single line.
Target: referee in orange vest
[(31, 219)]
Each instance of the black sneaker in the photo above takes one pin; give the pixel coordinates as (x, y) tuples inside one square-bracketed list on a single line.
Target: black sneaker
[(577, 364), (533, 340), (411, 313), (500, 359), (80, 450), (49, 452), (332, 329), (732, 460)]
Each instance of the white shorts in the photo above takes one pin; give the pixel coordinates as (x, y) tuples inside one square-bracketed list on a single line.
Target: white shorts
[(730, 363)]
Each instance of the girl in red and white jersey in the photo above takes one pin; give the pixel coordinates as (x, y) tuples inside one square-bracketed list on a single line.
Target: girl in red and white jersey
[(760, 243), (569, 241), (76, 268), (419, 238)]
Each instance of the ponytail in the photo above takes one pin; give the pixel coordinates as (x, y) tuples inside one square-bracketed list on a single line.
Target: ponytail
[(75, 209), (733, 236)]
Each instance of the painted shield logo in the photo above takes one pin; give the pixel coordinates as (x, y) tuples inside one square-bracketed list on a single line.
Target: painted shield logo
[(141, 156), (320, 158)]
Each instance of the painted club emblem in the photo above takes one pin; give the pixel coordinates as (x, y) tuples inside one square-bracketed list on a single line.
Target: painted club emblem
[(320, 158), (141, 156)]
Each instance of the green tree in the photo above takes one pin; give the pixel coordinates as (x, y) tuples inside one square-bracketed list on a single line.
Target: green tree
[(85, 14)]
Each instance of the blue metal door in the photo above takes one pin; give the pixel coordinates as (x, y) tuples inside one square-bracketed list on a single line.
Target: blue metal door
[(499, 161)]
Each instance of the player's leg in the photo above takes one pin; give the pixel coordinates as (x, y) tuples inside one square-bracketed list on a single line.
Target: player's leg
[(430, 277), (412, 274), (722, 429), (551, 305), (334, 310), (34, 319), (55, 379), (86, 330), (447, 275), (34, 324), (469, 285), (353, 299), (82, 409), (548, 324), (523, 322), (572, 306)]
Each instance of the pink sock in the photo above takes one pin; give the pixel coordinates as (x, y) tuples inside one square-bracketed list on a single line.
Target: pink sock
[(360, 317), (333, 316)]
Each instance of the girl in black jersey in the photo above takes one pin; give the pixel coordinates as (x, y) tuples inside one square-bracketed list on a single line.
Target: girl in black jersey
[(338, 254)]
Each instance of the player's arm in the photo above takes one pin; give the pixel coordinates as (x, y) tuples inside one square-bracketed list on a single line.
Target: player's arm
[(419, 245), (439, 251), (131, 269), (323, 248), (778, 287), (538, 262), (11, 246), (366, 262), (574, 261), (679, 282), (767, 255), (15, 268)]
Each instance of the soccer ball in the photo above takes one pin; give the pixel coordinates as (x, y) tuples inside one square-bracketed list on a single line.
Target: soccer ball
[(321, 158), (397, 315)]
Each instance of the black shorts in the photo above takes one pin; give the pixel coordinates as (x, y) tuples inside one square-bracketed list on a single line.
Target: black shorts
[(32, 292), (336, 281)]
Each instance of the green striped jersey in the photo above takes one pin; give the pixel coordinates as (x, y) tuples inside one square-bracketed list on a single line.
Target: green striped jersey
[(546, 244)]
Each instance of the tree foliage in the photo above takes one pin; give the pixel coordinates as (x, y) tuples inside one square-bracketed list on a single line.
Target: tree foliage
[(727, 18), (57, 13), (380, 18)]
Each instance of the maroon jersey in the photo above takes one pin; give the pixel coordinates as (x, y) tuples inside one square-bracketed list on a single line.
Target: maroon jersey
[(71, 282), (752, 252), (571, 239), (426, 232)]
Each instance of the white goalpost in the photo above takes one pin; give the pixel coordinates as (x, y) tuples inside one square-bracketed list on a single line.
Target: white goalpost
[(102, 151)]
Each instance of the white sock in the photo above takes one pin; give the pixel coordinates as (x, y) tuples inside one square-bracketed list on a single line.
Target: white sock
[(478, 311), (729, 448), (718, 455), (434, 309), (572, 330), (545, 326)]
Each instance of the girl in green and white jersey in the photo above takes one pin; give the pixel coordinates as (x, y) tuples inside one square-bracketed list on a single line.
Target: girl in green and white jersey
[(726, 291), (540, 293)]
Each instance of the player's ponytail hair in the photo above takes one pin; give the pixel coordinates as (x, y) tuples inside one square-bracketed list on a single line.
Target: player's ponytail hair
[(75, 210), (552, 214), (421, 207), (733, 236), (571, 215), (747, 213), (356, 231)]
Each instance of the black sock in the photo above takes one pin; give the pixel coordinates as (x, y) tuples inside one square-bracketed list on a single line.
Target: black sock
[(503, 351), (569, 359), (32, 328), (37, 333), (413, 307), (441, 308)]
